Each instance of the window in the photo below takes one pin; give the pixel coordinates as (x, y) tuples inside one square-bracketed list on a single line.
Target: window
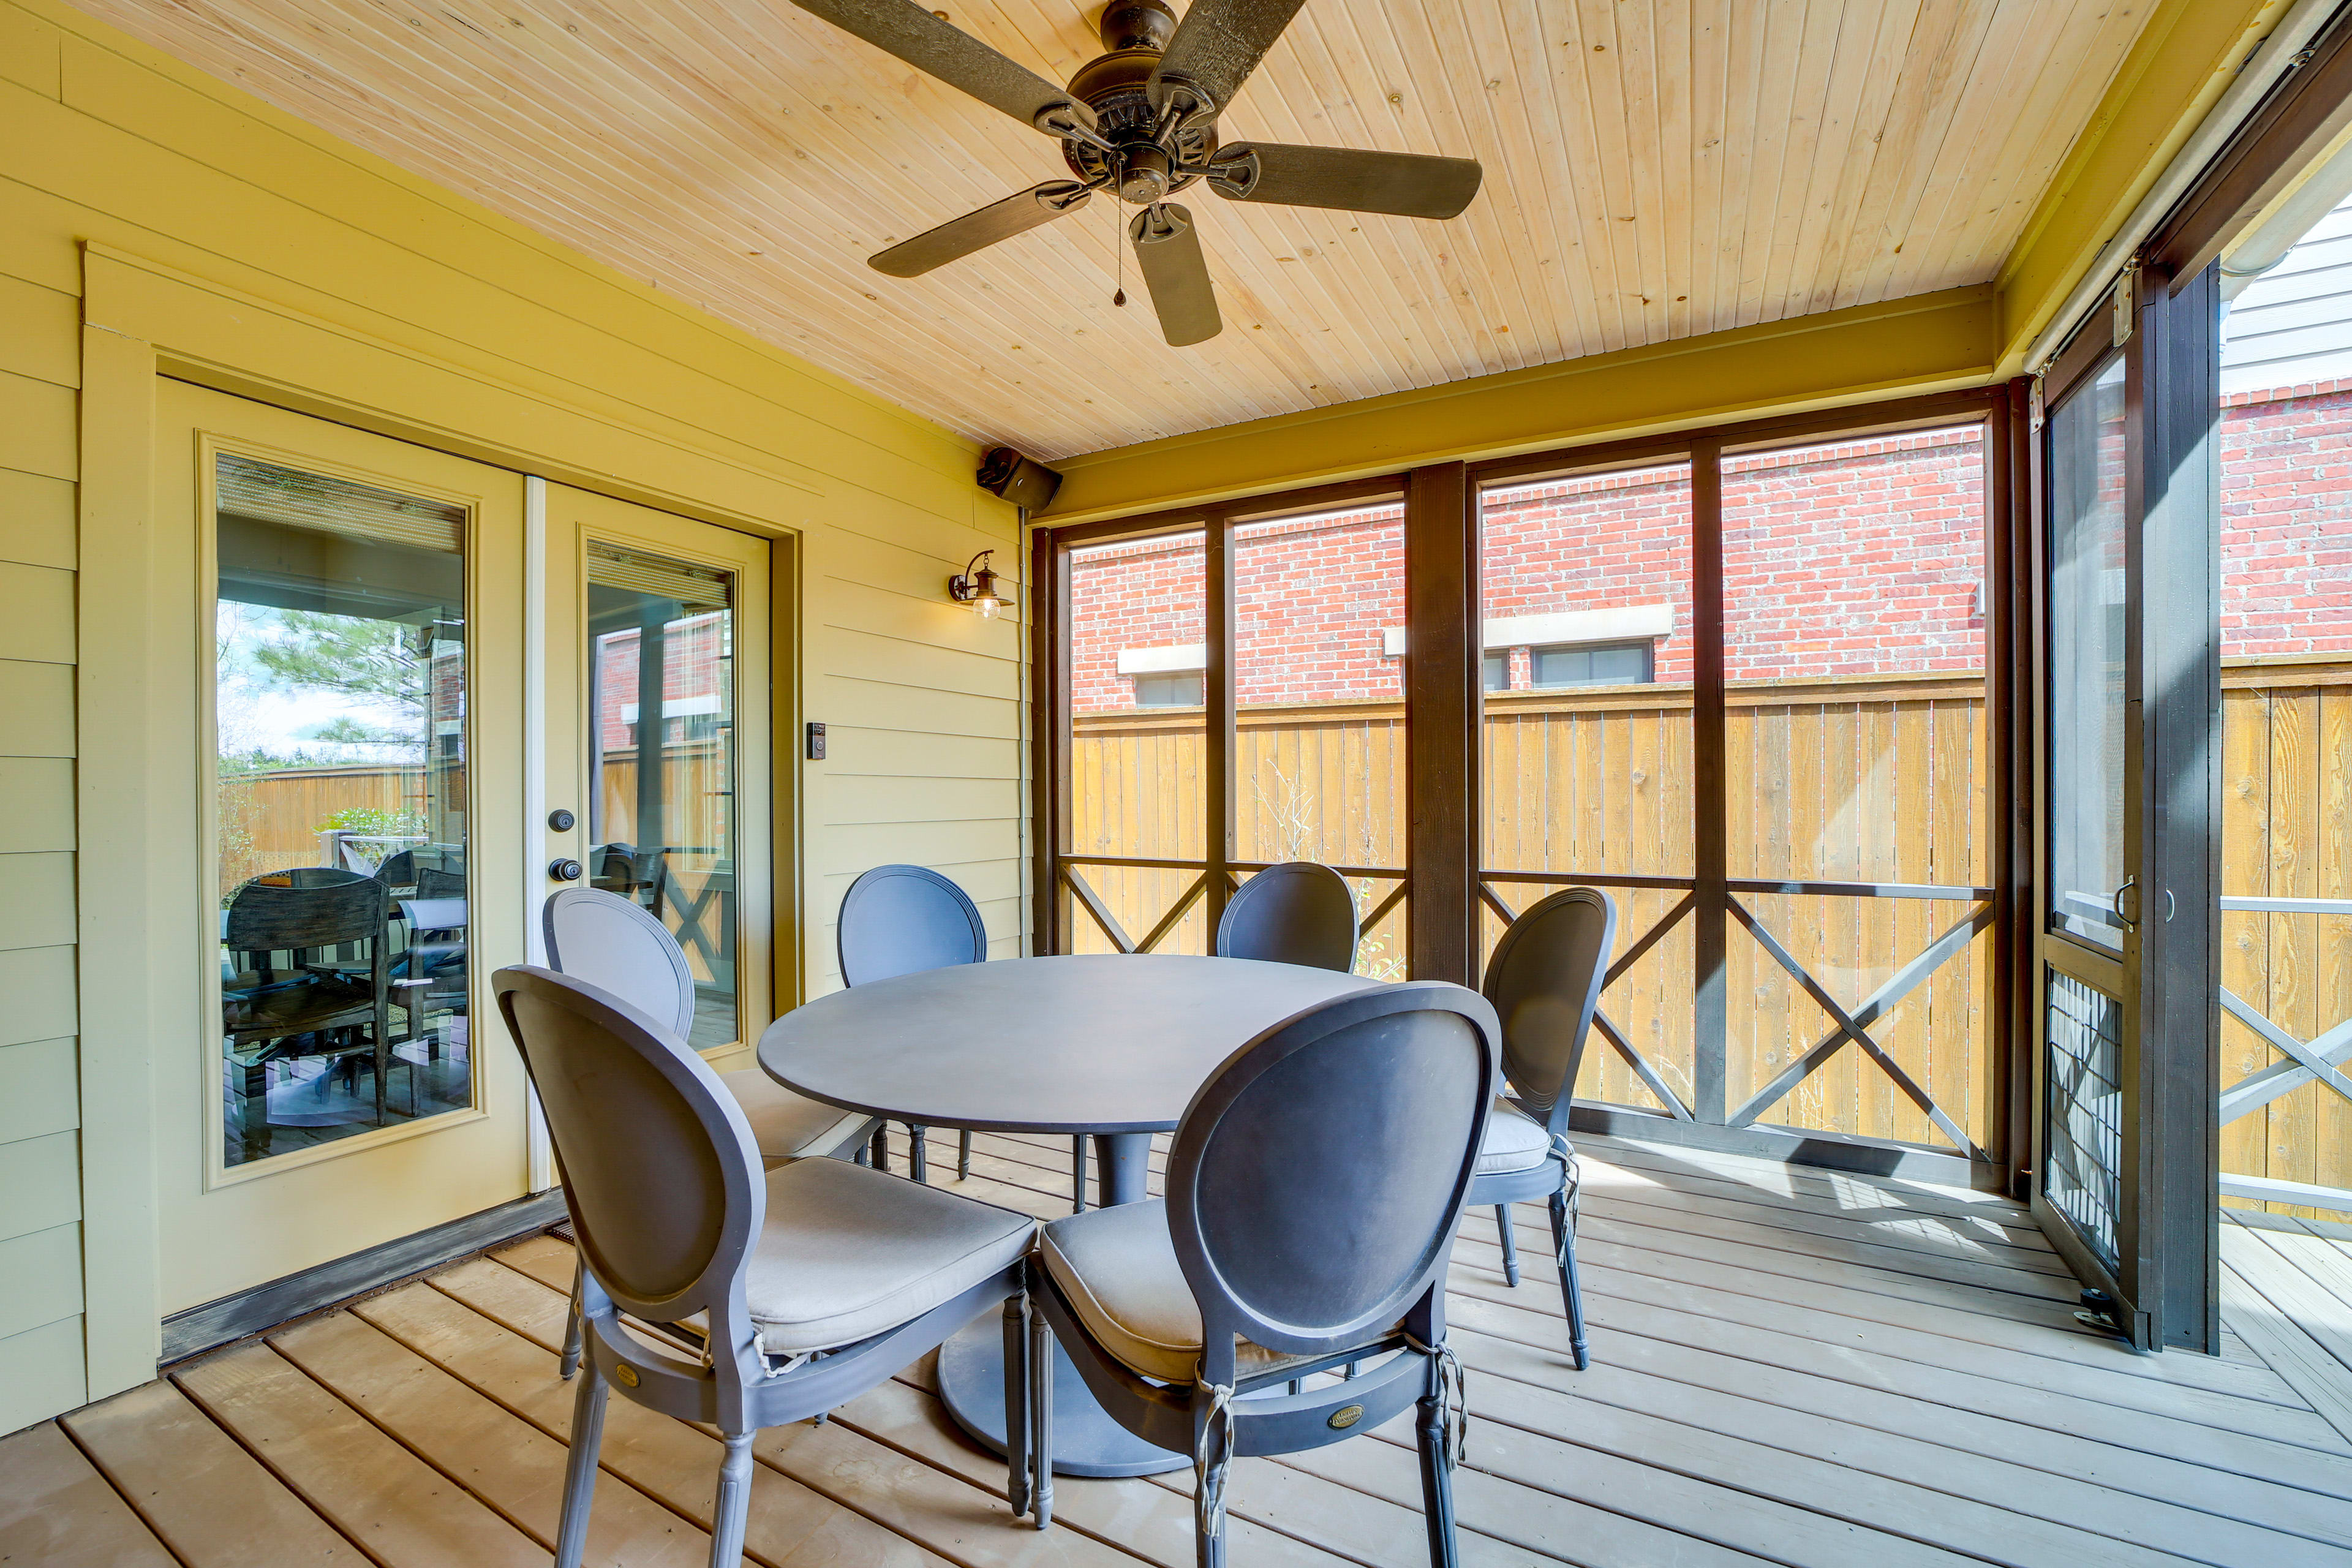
[(339, 690), (1177, 690), (1498, 671), (1617, 664)]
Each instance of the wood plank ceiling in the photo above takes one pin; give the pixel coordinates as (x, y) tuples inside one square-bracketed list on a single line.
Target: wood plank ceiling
[(1656, 169)]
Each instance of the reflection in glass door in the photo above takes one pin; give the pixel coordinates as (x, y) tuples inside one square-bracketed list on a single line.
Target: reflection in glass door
[(339, 686), (661, 752)]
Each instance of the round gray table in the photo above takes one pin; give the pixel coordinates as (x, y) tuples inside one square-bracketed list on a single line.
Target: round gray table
[(1111, 1044)]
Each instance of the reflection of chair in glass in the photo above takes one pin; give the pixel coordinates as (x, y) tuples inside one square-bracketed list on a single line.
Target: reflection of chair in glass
[(641, 876), (429, 975), (398, 872), (322, 1002), (436, 884)]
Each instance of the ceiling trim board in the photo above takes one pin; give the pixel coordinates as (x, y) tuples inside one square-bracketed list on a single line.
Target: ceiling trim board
[(1928, 342)]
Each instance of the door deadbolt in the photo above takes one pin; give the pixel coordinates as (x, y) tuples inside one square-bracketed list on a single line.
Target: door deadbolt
[(563, 871), (560, 821)]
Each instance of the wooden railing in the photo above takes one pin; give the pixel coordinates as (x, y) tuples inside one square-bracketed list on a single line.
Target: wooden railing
[(1871, 782)]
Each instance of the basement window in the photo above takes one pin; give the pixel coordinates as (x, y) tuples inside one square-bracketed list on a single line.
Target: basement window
[(1175, 688), (1606, 664)]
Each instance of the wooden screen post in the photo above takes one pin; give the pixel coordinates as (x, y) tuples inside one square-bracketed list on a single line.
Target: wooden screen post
[(1217, 771), (2180, 982), (1442, 679), (1710, 843), (1049, 732)]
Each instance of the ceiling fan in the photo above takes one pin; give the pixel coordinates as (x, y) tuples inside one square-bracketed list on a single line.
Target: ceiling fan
[(1141, 122)]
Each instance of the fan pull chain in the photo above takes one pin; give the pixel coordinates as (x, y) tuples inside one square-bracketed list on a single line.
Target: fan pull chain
[(1118, 240)]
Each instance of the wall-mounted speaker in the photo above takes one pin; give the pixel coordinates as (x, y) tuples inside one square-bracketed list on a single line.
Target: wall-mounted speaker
[(1026, 484)]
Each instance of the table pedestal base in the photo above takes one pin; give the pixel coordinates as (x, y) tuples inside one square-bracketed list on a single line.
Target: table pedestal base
[(1086, 1441)]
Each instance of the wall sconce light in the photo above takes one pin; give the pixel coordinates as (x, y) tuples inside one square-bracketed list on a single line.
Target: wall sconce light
[(975, 588)]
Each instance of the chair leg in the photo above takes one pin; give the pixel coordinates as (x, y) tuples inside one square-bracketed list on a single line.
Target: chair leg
[(1041, 1420), (734, 1503), (1016, 1405), (964, 1157), (570, 1361), (1563, 1236), (1078, 1175), (580, 1469), (1436, 1474), (864, 1155), (1510, 1244), (916, 1165), (882, 1149)]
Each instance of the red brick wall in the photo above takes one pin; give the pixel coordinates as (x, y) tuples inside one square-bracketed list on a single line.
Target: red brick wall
[(2286, 521), (1855, 558), (690, 655)]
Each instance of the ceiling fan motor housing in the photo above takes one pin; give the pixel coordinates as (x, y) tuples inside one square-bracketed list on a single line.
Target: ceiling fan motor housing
[(1113, 86)]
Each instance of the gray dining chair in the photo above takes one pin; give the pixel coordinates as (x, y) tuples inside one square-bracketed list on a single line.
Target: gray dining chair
[(1298, 912), (1314, 1190), (813, 1282), (904, 919), (629, 952), (1545, 980)]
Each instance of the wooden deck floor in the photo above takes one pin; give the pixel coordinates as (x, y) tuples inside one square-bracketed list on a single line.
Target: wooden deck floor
[(1790, 1367)]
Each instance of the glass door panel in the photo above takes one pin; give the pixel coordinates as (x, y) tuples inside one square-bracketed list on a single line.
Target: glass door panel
[(2087, 662), (661, 759), (663, 762), (339, 687), (354, 769)]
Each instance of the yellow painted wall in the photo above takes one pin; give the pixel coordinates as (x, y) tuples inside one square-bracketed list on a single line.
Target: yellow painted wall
[(491, 342)]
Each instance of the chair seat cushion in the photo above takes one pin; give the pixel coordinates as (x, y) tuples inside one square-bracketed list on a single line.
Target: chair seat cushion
[(789, 1126), (848, 1252), (1118, 1268), (1515, 1141)]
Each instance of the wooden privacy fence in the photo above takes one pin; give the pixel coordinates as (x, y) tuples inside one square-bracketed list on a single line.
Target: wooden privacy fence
[(1874, 781), (270, 820)]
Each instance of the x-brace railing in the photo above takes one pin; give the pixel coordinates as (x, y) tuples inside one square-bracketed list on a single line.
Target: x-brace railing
[(2307, 1061), (1853, 1028), (1643, 1068), (1097, 910)]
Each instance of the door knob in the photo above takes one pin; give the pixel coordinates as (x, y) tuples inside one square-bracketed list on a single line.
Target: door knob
[(563, 871)]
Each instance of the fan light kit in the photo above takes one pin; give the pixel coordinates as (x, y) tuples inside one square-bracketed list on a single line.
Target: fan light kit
[(1141, 122)]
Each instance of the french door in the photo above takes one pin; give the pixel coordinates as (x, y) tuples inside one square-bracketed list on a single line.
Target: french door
[(424, 692), (2127, 1022), (351, 642), (657, 745)]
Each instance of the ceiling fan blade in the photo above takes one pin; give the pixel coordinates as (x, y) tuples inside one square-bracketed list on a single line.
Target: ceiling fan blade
[(1216, 46), (931, 45), (1016, 214), (1168, 249), (1408, 184)]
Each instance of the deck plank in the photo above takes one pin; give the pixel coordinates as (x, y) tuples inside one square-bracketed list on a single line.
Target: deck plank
[(400, 1510), (1805, 1367), (58, 1511), (962, 1520), (1646, 1373), (2192, 1387), (517, 1470), (211, 1502)]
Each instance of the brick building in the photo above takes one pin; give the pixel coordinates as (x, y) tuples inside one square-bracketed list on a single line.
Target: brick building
[(1852, 558)]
